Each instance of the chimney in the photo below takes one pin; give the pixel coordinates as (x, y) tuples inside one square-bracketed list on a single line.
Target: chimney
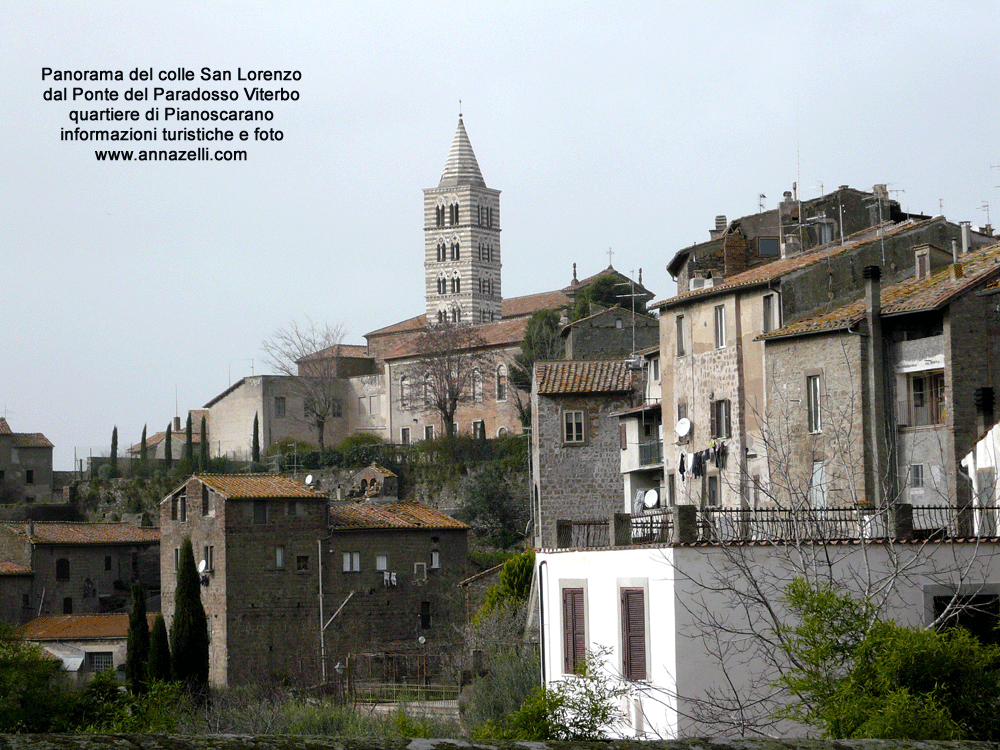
[(30, 527), (177, 424), (954, 251), (965, 236), (720, 223)]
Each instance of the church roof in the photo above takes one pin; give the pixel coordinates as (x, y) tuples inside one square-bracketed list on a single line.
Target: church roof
[(461, 167), (499, 333)]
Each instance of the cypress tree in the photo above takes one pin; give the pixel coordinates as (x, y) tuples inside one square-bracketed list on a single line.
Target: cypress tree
[(159, 652), (203, 455), (113, 461), (189, 635), (137, 655), (188, 445), (142, 451), (168, 449), (255, 450)]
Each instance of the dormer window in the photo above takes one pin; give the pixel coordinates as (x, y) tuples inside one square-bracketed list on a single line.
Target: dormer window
[(922, 263)]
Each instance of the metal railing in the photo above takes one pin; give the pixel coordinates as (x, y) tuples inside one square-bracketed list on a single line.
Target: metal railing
[(650, 527), (651, 453)]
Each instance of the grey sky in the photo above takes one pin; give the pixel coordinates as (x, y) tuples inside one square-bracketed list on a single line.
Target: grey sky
[(623, 125)]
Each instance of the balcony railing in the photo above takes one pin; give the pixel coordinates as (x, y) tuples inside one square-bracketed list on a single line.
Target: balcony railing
[(780, 525), (651, 453)]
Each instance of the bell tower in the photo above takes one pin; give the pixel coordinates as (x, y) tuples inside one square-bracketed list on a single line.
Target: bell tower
[(462, 241)]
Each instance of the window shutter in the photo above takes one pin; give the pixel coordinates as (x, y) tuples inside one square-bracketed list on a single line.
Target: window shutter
[(713, 419), (633, 634), (574, 646), (622, 437), (729, 432)]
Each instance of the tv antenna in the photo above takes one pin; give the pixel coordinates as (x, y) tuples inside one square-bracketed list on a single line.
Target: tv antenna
[(986, 207)]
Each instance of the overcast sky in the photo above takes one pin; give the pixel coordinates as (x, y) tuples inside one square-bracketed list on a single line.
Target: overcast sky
[(621, 125)]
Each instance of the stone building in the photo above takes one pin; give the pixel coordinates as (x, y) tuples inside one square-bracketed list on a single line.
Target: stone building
[(25, 466), (715, 385), (610, 332), (17, 583), (79, 568), (575, 442), (906, 399), (257, 537)]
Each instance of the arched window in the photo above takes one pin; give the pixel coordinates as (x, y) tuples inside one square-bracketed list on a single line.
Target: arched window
[(454, 213), (455, 250), (429, 388), (502, 383), (456, 314), (456, 284), (487, 253), (442, 316), (502, 432), (404, 392), (442, 284), (439, 215), (442, 252), (477, 385)]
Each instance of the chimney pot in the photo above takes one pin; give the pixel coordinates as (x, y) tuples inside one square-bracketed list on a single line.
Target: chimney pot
[(177, 424), (872, 272)]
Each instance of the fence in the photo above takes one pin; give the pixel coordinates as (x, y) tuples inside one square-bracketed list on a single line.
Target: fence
[(400, 677)]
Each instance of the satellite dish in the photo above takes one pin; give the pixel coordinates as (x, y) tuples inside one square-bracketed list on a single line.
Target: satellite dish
[(309, 479), (421, 640), (201, 566), (683, 427), (651, 499)]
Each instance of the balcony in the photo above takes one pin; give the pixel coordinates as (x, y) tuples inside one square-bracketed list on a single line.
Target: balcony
[(651, 453)]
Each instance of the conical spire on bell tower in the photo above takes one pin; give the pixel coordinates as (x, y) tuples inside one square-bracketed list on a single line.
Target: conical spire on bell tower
[(462, 240)]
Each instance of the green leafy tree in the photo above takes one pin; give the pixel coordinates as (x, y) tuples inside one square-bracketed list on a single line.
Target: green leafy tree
[(494, 508), (113, 460), (189, 635), (607, 290), (159, 652), (32, 696), (255, 448), (137, 654), (856, 676), (203, 446), (188, 445), (143, 454), (543, 342), (513, 587), (168, 449)]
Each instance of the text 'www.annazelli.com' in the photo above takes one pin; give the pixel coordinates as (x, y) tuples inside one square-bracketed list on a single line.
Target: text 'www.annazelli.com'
[(198, 154)]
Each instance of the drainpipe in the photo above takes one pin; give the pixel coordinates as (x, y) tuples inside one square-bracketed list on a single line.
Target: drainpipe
[(877, 436)]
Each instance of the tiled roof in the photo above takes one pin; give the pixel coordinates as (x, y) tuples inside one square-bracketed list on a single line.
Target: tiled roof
[(609, 271), (501, 333), (777, 268), (379, 468), (416, 323), (339, 350), (591, 376), (30, 440), (397, 515), (8, 568), (257, 486), (656, 406), (78, 627), (4, 427), (906, 297), (86, 533)]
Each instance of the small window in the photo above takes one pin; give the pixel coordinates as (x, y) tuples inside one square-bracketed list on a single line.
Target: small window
[(25, 601), (435, 559), (183, 508), (425, 615), (336, 408), (428, 432), (302, 562), (713, 491), (813, 402), (177, 558), (279, 557), (352, 562), (926, 398), (62, 569), (404, 436), (923, 264), (294, 508), (381, 562), (719, 417), (29, 476), (502, 383), (205, 506), (279, 407), (767, 312), (107, 562), (573, 427), (100, 661), (654, 368), (682, 410), (362, 405), (420, 571), (478, 428), (260, 511), (768, 247), (68, 605), (681, 342), (720, 326), (917, 475), (818, 488)]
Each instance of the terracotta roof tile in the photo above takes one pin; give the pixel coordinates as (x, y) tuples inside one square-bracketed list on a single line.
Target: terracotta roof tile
[(908, 296), (339, 350), (590, 376), (78, 627), (46, 532), (417, 323), (397, 515), (30, 440), (501, 333), (4, 427), (777, 268), (8, 568), (258, 486)]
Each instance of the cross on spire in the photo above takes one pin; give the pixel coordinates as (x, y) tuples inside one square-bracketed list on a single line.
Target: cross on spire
[(610, 253), (459, 109)]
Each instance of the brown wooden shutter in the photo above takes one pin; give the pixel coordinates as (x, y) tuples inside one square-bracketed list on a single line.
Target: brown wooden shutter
[(622, 436), (633, 634), (574, 643), (713, 419), (729, 432)]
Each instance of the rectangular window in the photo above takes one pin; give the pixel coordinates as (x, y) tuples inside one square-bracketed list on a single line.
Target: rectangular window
[(404, 436), (435, 559), (429, 432), (260, 511), (813, 401), (68, 605), (681, 343), (720, 326), (107, 562), (373, 405), (977, 613), (478, 429), (767, 312), (817, 489), (925, 393), (986, 484), (279, 558), (768, 247), (177, 558), (633, 634), (100, 661), (381, 562), (29, 476), (420, 571), (425, 615), (279, 407), (211, 557), (720, 418), (352, 562), (302, 562), (204, 500), (573, 427), (183, 508), (923, 264), (654, 368), (713, 490), (62, 569), (362, 405), (682, 410), (916, 475), (574, 637), (293, 508)]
